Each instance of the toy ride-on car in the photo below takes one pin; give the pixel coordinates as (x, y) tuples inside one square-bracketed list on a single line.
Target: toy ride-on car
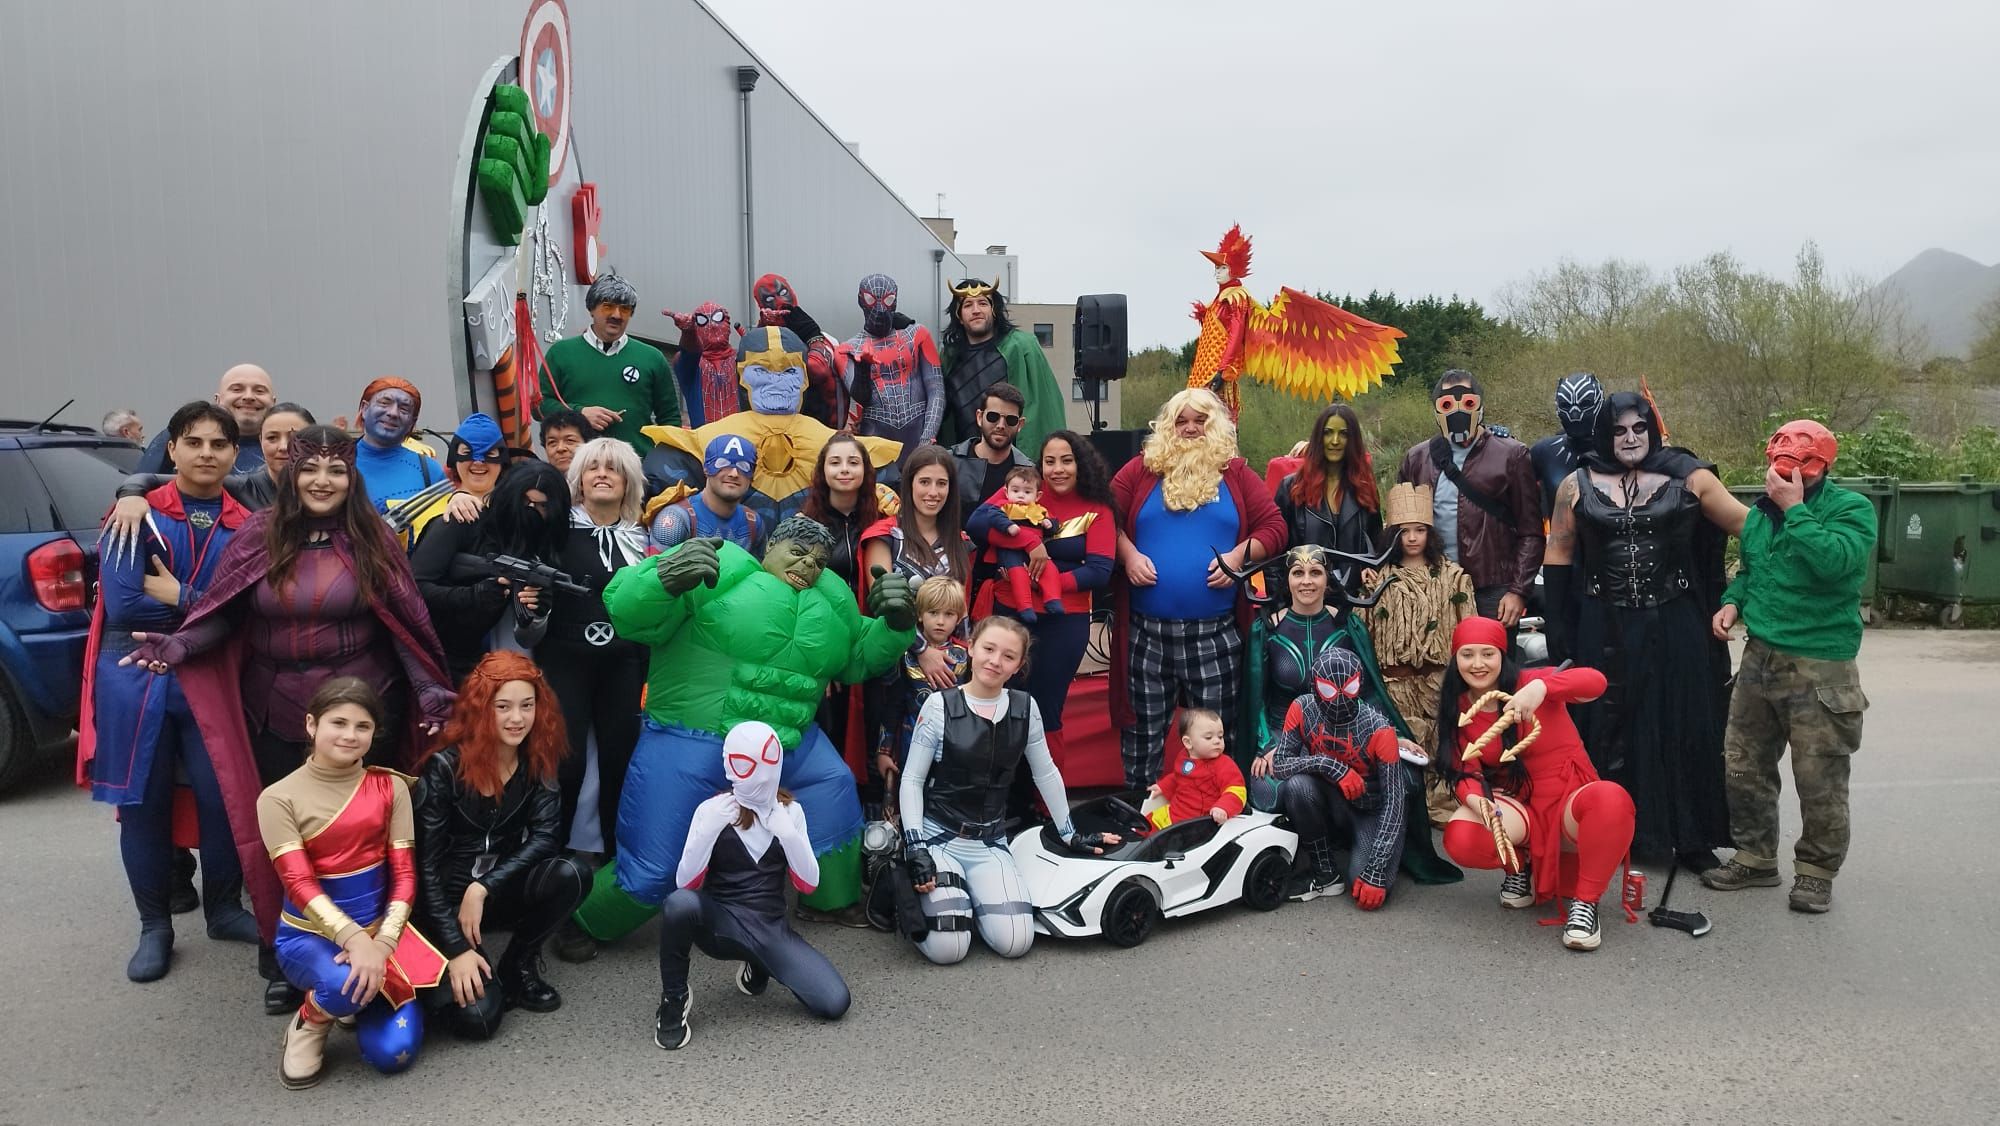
[(1179, 870)]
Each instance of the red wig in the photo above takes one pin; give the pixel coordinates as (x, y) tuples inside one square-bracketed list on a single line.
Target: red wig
[(1357, 473), (474, 732), (1233, 253)]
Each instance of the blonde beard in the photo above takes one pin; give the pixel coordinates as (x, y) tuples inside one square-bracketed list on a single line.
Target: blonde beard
[(1190, 472)]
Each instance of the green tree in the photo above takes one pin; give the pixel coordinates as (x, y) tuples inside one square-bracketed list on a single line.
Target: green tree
[(1438, 332), (1984, 364)]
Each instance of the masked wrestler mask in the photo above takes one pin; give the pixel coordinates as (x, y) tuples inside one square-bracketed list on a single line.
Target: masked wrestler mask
[(1577, 397), (877, 298), (771, 362), (1804, 447), (1459, 406), (753, 757), (1337, 684)]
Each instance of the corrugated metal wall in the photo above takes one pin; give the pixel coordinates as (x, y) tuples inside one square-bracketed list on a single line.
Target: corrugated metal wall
[(188, 186)]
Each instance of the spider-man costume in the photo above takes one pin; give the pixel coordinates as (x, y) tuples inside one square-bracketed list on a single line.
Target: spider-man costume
[(778, 304), (892, 373), (1337, 759), (705, 367)]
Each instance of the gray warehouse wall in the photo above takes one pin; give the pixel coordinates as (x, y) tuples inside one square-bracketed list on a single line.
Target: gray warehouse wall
[(221, 181)]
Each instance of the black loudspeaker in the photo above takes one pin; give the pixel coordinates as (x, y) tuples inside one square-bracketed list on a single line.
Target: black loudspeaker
[(1117, 447), (1100, 336)]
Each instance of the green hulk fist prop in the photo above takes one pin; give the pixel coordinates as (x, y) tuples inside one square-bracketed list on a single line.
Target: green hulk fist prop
[(734, 639)]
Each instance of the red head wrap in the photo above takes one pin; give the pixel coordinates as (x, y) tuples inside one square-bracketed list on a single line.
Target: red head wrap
[(1479, 631), (391, 383)]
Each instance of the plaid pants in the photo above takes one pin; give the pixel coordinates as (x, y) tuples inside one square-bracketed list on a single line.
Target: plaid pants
[(1196, 664)]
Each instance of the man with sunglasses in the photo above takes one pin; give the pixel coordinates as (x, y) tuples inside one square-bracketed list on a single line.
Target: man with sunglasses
[(617, 383), (717, 511), (1486, 503), (985, 459)]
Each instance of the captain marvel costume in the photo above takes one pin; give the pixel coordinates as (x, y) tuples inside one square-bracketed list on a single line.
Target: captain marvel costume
[(342, 842)]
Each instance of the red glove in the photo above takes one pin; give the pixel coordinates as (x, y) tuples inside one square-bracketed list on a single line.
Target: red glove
[(1367, 896), (682, 321), (1351, 784)]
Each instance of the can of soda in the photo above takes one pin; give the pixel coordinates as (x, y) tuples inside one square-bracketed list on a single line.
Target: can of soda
[(1635, 891)]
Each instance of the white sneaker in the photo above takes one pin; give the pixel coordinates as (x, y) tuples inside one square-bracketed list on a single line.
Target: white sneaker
[(1581, 931), (1306, 888), (1517, 890)]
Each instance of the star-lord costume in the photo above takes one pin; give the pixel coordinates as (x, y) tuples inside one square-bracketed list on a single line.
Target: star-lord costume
[(343, 843)]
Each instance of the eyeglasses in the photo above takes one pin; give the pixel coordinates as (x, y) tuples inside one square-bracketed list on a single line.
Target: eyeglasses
[(1448, 403), (1004, 419)]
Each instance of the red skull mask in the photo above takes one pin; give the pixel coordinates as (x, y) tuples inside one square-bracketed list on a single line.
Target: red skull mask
[(1802, 446)]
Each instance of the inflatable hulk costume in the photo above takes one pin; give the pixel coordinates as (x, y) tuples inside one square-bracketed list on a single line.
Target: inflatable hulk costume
[(736, 640)]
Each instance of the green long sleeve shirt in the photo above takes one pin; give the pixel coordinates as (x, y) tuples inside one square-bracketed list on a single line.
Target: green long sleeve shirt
[(1799, 589), (636, 380)]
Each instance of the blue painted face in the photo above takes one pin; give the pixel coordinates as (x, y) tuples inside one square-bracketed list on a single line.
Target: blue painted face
[(389, 417), (775, 392)]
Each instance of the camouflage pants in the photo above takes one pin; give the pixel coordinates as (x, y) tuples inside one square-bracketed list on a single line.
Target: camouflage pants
[(1815, 706)]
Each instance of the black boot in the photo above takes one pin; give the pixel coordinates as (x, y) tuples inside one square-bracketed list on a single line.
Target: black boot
[(521, 981), (222, 905), (279, 996), (156, 950), (182, 897)]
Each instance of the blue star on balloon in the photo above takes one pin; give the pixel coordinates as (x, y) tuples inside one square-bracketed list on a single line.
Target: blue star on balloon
[(545, 82)]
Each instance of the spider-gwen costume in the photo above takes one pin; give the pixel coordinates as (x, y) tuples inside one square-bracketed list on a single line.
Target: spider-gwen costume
[(343, 841), (730, 897), (954, 804), (894, 377), (1341, 773)]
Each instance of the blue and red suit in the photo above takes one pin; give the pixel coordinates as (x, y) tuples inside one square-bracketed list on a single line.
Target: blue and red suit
[(343, 842), (137, 735)]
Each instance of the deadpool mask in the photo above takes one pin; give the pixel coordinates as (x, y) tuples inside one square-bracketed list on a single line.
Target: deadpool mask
[(774, 299), (1803, 447)]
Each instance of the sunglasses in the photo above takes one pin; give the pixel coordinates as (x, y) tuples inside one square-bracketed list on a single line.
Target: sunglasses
[(1449, 403), (1004, 419)]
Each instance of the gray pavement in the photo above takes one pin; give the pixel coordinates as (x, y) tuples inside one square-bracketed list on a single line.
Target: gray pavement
[(1442, 1008)]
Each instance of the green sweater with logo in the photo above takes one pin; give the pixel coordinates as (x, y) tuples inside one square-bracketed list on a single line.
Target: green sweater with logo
[(637, 381), (1800, 587)]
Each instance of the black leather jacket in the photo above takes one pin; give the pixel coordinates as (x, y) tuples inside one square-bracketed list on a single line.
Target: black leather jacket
[(456, 826)]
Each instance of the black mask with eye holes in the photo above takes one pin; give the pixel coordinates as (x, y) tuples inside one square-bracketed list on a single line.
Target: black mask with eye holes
[(1578, 395)]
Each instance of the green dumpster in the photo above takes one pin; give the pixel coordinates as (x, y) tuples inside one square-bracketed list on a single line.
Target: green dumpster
[(1946, 546), (1882, 492)]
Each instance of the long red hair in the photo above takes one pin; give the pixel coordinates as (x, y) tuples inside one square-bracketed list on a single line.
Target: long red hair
[(473, 730), (1357, 475)]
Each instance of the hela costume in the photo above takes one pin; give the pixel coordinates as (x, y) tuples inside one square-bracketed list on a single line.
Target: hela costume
[(741, 845), (136, 730), (1298, 343), (892, 373), (954, 800), (1648, 578), (1341, 776), (734, 641), (342, 843)]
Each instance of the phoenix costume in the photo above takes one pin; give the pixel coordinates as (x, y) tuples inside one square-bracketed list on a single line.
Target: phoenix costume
[(741, 845)]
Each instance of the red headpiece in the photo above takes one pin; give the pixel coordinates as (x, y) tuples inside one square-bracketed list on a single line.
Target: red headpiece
[(1233, 253), (305, 448), (390, 382), (1479, 631), (1804, 446)]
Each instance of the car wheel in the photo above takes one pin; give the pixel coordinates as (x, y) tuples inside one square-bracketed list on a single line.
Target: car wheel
[(18, 752), (1264, 883), (1130, 914)]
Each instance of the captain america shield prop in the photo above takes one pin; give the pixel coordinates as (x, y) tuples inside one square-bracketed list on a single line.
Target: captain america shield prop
[(545, 76)]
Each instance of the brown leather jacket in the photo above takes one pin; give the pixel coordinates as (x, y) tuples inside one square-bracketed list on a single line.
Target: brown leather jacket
[(1493, 553)]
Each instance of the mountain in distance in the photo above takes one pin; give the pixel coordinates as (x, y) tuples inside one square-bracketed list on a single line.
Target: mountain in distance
[(1943, 293)]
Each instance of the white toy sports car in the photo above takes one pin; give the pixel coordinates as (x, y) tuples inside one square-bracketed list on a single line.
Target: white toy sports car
[(1179, 870)]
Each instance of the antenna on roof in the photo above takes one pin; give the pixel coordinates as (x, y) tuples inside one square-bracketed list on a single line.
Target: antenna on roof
[(52, 417)]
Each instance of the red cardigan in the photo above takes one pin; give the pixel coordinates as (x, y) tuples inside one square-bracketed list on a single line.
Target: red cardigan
[(1257, 518)]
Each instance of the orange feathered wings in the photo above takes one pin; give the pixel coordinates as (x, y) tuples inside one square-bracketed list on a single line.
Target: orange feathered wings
[(1317, 351)]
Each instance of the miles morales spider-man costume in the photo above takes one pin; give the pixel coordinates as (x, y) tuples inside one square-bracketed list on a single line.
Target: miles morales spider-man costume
[(1340, 772), (892, 373)]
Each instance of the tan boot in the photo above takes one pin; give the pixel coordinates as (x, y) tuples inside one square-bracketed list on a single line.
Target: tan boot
[(305, 1051)]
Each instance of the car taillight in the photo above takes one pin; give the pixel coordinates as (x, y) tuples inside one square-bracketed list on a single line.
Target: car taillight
[(56, 570)]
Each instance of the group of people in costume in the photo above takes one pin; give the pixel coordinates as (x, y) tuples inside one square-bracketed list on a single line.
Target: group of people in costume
[(672, 670)]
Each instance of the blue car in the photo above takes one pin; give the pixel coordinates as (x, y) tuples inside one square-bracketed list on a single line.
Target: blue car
[(56, 483)]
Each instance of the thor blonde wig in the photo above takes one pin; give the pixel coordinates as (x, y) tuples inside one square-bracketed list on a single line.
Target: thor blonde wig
[(1190, 472)]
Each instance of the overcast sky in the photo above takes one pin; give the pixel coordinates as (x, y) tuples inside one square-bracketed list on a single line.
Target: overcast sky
[(1415, 145)]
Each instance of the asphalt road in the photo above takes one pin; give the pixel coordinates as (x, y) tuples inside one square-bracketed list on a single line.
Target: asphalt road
[(1441, 1008)]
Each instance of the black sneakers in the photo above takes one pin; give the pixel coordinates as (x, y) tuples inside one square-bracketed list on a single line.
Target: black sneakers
[(670, 1027), (1517, 890), (751, 980), (1580, 930)]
